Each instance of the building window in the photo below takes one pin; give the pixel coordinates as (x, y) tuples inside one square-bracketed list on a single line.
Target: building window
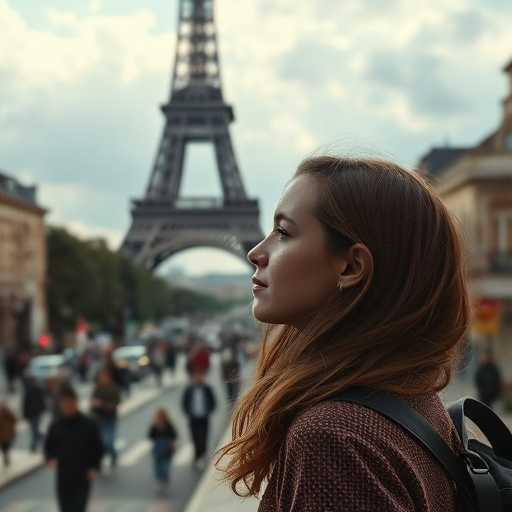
[(502, 241)]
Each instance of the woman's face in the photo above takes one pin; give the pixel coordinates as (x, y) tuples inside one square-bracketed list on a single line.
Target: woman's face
[(294, 275)]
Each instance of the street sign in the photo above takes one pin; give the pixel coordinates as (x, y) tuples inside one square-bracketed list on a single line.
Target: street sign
[(486, 316)]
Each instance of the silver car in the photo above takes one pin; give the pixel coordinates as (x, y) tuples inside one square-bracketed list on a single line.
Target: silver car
[(43, 368), (132, 358)]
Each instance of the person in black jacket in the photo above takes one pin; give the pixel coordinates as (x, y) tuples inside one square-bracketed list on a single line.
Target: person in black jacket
[(34, 405), (198, 403), (74, 448), (163, 434), (488, 379)]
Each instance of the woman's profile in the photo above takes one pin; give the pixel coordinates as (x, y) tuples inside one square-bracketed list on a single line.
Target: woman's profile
[(362, 281)]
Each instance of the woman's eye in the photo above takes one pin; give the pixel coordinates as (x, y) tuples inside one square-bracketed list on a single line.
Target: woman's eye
[(282, 232)]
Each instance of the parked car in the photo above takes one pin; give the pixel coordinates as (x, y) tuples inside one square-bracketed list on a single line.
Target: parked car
[(43, 368), (134, 359)]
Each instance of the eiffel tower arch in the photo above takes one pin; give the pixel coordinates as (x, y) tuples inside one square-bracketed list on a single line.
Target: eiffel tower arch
[(163, 222)]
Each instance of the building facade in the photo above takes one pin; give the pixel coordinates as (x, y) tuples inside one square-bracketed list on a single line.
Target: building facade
[(476, 184), (22, 265)]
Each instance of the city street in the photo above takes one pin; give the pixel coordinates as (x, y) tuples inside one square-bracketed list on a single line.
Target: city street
[(130, 487)]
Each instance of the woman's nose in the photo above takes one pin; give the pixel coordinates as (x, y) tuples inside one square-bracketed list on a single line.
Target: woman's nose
[(257, 256)]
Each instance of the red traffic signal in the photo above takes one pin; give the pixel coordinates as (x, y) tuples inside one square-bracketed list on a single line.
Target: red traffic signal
[(44, 340)]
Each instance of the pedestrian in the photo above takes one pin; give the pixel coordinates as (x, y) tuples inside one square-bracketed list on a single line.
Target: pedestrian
[(488, 379), (198, 403), (157, 360), (198, 359), (230, 363), (53, 385), (7, 432), (121, 376), (163, 435), (105, 399), (11, 368), (362, 281), (33, 407), (73, 447), (83, 363), (171, 356)]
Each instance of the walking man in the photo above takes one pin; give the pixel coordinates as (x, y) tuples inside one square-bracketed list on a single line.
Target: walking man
[(105, 400), (198, 403), (74, 448), (488, 379), (34, 405)]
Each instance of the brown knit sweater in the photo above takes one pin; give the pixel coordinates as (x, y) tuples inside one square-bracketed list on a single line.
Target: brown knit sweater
[(340, 456)]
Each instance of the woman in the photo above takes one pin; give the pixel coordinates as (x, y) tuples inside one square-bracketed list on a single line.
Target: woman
[(363, 282), (163, 434), (7, 431)]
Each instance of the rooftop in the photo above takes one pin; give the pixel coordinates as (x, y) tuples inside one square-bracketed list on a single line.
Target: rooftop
[(14, 188), (439, 158)]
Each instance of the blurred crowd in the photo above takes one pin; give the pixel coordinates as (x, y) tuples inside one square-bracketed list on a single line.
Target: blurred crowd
[(75, 444)]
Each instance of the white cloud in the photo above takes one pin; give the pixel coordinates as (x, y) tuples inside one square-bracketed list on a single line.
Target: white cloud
[(94, 6)]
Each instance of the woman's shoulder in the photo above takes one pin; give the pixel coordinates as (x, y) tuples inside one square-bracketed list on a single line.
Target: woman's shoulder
[(334, 421), (344, 456)]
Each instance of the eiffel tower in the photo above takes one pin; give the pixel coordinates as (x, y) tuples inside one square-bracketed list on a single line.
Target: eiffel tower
[(163, 222)]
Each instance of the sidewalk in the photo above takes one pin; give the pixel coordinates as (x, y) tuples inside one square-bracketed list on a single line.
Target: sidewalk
[(213, 496), (24, 462)]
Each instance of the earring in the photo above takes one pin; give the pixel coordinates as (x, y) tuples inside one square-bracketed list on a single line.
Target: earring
[(340, 288)]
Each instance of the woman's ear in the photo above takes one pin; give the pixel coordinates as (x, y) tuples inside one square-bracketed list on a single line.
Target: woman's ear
[(358, 263)]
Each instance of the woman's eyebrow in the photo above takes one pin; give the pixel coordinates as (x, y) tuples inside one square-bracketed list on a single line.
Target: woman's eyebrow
[(279, 216)]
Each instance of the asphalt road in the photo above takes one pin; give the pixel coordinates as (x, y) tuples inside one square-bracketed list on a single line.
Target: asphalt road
[(131, 488)]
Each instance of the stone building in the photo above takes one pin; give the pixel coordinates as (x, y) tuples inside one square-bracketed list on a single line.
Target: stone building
[(22, 265), (476, 183)]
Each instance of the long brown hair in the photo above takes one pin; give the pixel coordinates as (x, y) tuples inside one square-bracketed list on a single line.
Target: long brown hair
[(399, 330)]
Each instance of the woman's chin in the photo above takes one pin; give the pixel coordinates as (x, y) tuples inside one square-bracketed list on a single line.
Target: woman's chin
[(262, 314), (266, 315)]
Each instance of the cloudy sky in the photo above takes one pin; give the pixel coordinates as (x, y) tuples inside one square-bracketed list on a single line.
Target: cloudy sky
[(81, 82)]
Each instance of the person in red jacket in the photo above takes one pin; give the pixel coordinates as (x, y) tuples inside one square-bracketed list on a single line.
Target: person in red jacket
[(198, 359)]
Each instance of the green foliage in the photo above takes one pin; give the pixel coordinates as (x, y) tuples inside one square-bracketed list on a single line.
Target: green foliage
[(86, 278)]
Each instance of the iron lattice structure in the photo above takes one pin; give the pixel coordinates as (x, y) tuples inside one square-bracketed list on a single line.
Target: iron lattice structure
[(163, 222)]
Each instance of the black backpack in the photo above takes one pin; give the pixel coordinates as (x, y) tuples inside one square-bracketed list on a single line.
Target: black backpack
[(482, 474)]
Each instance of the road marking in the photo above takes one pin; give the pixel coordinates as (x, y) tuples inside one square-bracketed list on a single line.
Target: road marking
[(120, 444), (184, 455), (21, 506), (95, 506), (135, 453)]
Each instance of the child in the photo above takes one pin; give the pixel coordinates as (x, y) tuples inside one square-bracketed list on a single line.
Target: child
[(163, 434), (7, 431)]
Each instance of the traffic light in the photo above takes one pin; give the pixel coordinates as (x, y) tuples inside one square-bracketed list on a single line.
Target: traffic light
[(44, 340)]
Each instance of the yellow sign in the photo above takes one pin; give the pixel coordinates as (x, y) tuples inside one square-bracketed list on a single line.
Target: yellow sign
[(487, 326)]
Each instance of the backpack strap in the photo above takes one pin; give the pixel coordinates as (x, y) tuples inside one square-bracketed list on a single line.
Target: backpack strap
[(420, 429), (486, 420)]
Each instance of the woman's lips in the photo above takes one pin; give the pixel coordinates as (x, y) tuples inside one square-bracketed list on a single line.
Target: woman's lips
[(258, 284)]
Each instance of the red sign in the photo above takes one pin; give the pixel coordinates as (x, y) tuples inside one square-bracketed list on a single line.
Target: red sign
[(486, 309), (44, 340)]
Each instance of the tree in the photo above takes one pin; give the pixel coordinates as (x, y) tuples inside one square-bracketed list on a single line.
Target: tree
[(86, 278)]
